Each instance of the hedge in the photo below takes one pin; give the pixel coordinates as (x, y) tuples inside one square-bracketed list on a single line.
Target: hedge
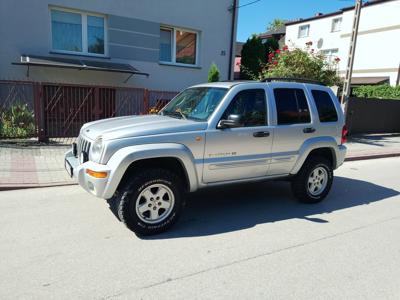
[(383, 91)]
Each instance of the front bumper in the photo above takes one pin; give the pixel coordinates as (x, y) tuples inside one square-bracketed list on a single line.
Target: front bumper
[(95, 186)]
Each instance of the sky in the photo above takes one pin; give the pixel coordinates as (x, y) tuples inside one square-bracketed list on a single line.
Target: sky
[(254, 18)]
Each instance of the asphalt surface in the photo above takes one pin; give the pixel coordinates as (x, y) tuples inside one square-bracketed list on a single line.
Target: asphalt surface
[(250, 241)]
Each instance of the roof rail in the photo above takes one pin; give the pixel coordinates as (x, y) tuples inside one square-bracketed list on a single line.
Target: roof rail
[(291, 79)]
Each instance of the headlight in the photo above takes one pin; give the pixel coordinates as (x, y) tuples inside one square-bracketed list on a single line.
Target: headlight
[(96, 150)]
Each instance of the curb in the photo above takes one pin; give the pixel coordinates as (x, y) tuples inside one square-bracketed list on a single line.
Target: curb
[(372, 156), (34, 186)]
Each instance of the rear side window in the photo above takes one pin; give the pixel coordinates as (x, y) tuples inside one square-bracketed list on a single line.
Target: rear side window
[(291, 106), (326, 108)]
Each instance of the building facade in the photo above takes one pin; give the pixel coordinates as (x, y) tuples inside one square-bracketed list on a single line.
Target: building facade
[(99, 42), (377, 56)]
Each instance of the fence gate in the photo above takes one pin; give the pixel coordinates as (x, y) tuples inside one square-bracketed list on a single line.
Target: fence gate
[(65, 108)]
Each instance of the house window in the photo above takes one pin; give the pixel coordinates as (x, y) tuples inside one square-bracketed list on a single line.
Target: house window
[(179, 46), (77, 32), (330, 54), (336, 24), (304, 30)]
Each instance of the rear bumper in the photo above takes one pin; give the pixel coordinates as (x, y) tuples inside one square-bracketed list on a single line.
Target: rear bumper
[(95, 186), (340, 155)]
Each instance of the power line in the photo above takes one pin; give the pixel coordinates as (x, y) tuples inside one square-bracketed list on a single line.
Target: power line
[(246, 4)]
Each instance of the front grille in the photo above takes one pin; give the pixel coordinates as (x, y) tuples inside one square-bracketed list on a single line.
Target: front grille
[(83, 146)]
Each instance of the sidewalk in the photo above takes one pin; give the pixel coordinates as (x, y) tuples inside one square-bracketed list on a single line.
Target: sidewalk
[(370, 146), (26, 164), (29, 164)]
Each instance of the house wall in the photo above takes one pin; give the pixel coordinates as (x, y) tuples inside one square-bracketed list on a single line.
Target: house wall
[(133, 37), (378, 43)]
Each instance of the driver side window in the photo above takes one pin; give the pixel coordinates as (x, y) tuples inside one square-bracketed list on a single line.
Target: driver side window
[(251, 106)]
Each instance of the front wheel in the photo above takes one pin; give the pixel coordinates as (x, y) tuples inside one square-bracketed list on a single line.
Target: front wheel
[(314, 180), (151, 202)]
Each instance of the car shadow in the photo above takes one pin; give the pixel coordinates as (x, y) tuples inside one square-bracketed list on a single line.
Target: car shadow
[(231, 208)]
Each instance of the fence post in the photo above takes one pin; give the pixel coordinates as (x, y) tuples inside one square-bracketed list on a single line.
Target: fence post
[(40, 116), (96, 103), (146, 100)]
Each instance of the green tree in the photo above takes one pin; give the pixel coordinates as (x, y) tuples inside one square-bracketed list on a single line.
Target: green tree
[(213, 73), (275, 24), (253, 57), (271, 45), (301, 64)]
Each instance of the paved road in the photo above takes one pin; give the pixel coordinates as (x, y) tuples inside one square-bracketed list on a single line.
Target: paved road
[(248, 242)]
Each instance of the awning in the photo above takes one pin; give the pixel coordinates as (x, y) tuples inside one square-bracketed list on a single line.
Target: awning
[(369, 80), (77, 64)]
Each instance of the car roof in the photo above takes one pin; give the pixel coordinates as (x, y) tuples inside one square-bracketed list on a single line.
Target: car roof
[(229, 84)]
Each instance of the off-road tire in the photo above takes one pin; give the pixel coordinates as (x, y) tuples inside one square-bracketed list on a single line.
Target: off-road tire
[(125, 200), (300, 181)]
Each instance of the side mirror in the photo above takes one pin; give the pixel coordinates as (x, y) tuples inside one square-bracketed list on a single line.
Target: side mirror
[(233, 121)]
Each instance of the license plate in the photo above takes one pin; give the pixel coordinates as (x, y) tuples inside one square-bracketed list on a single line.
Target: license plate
[(69, 168)]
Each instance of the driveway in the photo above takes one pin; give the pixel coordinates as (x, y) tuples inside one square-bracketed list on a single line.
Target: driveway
[(251, 241)]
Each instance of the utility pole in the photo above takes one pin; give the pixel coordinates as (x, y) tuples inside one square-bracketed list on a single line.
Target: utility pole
[(350, 59)]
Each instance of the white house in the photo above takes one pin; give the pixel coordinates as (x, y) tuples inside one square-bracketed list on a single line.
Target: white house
[(377, 57)]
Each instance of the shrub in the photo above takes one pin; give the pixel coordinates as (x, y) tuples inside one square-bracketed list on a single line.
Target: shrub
[(213, 73), (377, 91), (253, 56), (299, 63), (271, 45), (17, 122)]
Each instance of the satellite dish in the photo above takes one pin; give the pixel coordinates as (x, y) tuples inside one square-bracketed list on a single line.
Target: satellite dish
[(320, 43)]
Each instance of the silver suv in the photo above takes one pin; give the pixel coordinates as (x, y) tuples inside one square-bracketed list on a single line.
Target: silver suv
[(211, 134)]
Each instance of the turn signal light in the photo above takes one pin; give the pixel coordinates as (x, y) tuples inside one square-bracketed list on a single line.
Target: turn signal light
[(96, 174)]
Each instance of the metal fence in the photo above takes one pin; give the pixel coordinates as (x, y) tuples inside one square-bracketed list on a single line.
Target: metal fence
[(61, 109), (368, 115)]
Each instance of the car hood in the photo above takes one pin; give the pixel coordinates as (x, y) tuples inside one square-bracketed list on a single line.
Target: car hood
[(132, 126)]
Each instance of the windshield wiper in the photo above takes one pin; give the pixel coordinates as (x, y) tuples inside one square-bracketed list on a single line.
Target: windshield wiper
[(181, 113), (176, 113)]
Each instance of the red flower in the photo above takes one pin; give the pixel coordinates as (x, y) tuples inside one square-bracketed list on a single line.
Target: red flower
[(238, 63), (275, 62), (278, 51), (285, 48), (271, 55)]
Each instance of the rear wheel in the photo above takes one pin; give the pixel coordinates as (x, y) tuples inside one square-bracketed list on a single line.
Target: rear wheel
[(314, 180), (151, 202)]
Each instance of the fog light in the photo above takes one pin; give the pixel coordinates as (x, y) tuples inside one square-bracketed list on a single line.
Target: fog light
[(90, 186), (96, 174)]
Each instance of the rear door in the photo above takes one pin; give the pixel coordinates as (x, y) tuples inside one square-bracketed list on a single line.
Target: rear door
[(294, 123)]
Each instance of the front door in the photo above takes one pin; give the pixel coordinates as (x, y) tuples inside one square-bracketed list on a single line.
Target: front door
[(242, 152)]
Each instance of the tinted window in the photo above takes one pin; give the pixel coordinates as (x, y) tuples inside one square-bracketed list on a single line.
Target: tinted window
[(251, 105), (326, 108), (291, 106)]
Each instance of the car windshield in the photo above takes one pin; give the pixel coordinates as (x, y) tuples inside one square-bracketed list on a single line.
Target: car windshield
[(195, 103)]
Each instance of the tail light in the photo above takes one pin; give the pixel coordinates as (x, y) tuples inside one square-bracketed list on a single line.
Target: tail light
[(344, 134)]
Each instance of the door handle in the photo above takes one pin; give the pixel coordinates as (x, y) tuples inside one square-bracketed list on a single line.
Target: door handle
[(261, 134), (309, 130)]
